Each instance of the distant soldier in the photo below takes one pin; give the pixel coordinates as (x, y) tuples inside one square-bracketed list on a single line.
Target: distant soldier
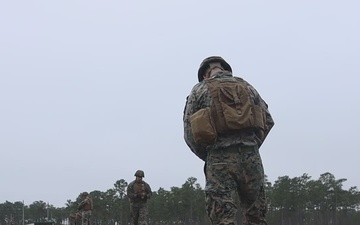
[(85, 208), (139, 192)]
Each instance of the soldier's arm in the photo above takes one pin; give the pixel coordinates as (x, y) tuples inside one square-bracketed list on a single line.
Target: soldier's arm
[(130, 191), (81, 204), (269, 122), (148, 190), (91, 204), (191, 108)]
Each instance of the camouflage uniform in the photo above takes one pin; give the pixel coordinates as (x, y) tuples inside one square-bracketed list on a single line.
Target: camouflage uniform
[(232, 164), (139, 193), (75, 218), (85, 208)]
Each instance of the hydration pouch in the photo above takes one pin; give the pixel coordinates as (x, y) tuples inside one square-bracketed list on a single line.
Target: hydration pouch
[(202, 127)]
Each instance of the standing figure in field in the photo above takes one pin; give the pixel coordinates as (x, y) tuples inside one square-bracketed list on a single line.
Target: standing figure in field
[(225, 123), (85, 208), (139, 192)]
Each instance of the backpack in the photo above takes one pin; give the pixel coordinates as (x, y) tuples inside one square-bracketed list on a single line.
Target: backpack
[(233, 108), (232, 111)]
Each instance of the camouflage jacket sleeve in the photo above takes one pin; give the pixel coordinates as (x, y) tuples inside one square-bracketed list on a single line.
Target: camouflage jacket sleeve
[(269, 122), (83, 203), (130, 191), (191, 107), (148, 190)]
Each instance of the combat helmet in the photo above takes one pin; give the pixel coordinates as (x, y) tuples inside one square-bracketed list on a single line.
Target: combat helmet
[(205, 64), (139, 173)]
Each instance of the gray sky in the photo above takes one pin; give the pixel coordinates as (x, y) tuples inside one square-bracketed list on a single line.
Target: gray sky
[(91, 91)]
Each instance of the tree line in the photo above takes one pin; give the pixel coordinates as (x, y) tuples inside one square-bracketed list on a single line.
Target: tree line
[(291, 201)]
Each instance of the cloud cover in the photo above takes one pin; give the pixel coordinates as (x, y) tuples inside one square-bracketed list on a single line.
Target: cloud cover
[(92, 91)]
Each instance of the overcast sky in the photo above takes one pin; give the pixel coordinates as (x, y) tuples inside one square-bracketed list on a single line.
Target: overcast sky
[(91, 91)]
